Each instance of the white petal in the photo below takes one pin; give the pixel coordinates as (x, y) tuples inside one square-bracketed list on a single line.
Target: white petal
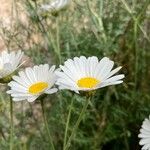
[(71, 66), (146, 147), (20, 95), (146, 125), (16, 91), (64, 77), (30, 75), (100, 66), (115, 78), (144, 141), (20, 81), (110, 83), (66, 83), (19, 98), (71, 75), (93, 63), (32, 99), (16, 86), (106, 70), (52, 69), (24, 78), (113, 72), (51, 91), (144, 135)]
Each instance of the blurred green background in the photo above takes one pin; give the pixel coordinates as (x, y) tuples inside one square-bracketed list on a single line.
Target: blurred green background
[(118, 29)]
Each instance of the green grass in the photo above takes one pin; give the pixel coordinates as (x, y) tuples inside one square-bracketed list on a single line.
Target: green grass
[(117, 29)]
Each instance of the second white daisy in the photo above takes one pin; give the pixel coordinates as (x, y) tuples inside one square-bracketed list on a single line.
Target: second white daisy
[(9, 62), (32, 83), (56, 5), (85, 74)]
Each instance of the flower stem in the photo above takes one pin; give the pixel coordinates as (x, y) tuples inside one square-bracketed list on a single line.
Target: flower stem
[(67, 124), (3, 135), (77, 123), (11, 124), (46, 125), (58, 39)]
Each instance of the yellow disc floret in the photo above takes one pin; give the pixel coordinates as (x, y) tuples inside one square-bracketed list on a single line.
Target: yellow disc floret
[(38, 87), (87, 82)]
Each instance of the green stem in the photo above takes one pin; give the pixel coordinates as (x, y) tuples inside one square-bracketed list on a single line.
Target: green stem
[(58, 39), (77, 123), (136, 53), (46, 125), (2, 134), (11, 124), (129, 10), (67, 124)]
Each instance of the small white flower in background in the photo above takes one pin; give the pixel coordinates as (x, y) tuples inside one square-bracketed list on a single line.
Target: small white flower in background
[(56, 5), (85, 74), (145, 134), (9, 62), (32, 83)]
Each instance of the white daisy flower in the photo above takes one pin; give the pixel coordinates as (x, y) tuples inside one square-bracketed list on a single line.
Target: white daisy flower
[(145, 134), (9, 62), (56, 5), (32, 83), (85, 74)]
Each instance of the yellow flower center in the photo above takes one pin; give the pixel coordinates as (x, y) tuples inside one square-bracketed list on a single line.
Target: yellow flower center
[(38, 87), (87, 82)]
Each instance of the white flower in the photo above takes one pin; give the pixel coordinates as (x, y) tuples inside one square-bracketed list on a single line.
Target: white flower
[(145, 134), (9, 62), (56, 5), (32, 83), (85, 74)]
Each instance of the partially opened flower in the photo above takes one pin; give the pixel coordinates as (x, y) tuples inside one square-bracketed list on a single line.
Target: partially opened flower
[(56, 5), (32, 83), (145, 134), (85, 74), (9, 63)]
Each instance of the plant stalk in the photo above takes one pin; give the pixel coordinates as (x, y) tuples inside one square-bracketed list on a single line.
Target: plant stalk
[(11, 124), (67, 124), (77, 123), (46, 125)]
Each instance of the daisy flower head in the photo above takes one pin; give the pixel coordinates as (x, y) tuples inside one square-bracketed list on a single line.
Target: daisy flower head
[(9, 63), (87, 74), (32, 83), (55, 6), (145, 134)]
